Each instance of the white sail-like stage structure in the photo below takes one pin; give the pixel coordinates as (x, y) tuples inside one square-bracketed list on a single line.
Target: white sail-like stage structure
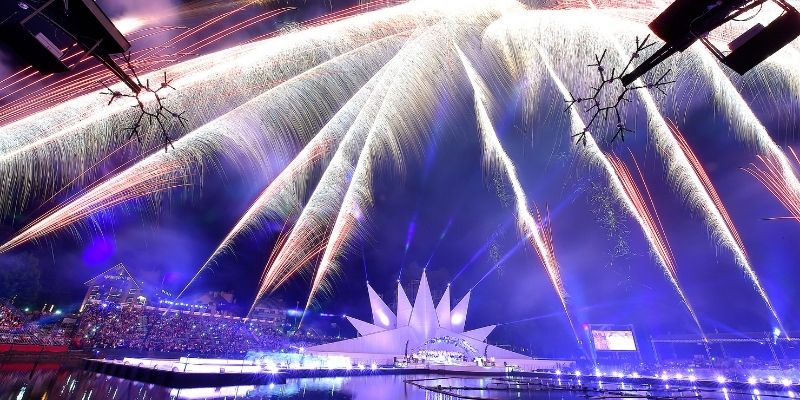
[(423, 327)]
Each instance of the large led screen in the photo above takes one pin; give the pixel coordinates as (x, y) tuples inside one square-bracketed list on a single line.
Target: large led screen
[(613, 341)]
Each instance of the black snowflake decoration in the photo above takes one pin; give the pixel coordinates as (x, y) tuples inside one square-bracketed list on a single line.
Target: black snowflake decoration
[(600, 107), (153, 109)]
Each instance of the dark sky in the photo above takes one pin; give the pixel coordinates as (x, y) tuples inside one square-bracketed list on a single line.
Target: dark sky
[(608, 270)]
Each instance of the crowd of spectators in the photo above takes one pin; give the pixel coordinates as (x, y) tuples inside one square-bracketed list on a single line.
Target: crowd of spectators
[(144, 328), (156, 329), (16, 328), (10, 317)]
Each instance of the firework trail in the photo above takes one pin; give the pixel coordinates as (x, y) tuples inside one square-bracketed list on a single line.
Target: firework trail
[(780, 67), (53, 147), (709, 187), (283, 195), (310, 230), (689, 179), (308, 98), (276, 248), (433, 63), (211, 31), (742, 117), (189, 151), (397, 19), (679, 168), (591, 152), (496, 159), (646, 213), (699, 61), (316, 96), (89, 78), (770, 174), (356, 194)]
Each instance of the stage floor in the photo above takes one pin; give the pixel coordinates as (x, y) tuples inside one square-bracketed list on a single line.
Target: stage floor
[(198, 372)]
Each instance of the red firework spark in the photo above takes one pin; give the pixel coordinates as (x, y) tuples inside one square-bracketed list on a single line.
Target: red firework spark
[(770, 174)]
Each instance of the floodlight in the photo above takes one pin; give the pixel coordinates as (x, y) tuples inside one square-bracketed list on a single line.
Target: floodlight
[(685, 22), (40, 33)]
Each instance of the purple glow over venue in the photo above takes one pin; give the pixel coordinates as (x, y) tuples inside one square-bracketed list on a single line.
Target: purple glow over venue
[(99, 252)]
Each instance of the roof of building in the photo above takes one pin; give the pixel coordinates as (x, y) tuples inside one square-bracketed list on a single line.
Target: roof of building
[(114, 273)]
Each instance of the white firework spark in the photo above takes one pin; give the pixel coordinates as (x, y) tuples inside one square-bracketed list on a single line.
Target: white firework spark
[(596, 156), (283, 196), (495, 158), (581, 27), (42, 153), (309, 99)]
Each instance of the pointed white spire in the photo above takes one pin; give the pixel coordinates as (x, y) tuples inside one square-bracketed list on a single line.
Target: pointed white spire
[(403, 307), (480, 333), (443, 310), (423, 316), (459, 315), (364, 328), (381, 314), (415, 326)]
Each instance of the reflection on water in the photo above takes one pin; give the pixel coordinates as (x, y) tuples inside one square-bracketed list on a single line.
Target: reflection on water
[(52, 381)]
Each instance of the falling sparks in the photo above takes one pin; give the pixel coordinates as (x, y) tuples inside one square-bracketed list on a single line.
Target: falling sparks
[(495, 158), (343, 95), (770, 173), (515, 39), (651, 223), (623, 186), (187, 153), (61, 143)]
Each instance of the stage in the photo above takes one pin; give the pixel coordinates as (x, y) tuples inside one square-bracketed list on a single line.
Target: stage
[(186, 373), (200, 373), (205, 372)]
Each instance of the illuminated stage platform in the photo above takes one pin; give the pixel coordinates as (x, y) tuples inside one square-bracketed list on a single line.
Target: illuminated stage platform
[(204, 372), (187, 372), (221, 373)]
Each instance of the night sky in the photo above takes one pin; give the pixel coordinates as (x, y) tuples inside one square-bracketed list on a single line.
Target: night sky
[(461, 226)]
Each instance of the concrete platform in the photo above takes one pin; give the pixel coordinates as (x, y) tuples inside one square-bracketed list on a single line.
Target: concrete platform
[(199, 372), (174, 378)]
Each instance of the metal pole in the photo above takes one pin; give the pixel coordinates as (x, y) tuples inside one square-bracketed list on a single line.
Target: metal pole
[(655, 350), (636, 343), (772, 349), (783, 351), (36, 12)]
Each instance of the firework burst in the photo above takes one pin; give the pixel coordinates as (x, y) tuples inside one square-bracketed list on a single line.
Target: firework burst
[(350, 92)]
